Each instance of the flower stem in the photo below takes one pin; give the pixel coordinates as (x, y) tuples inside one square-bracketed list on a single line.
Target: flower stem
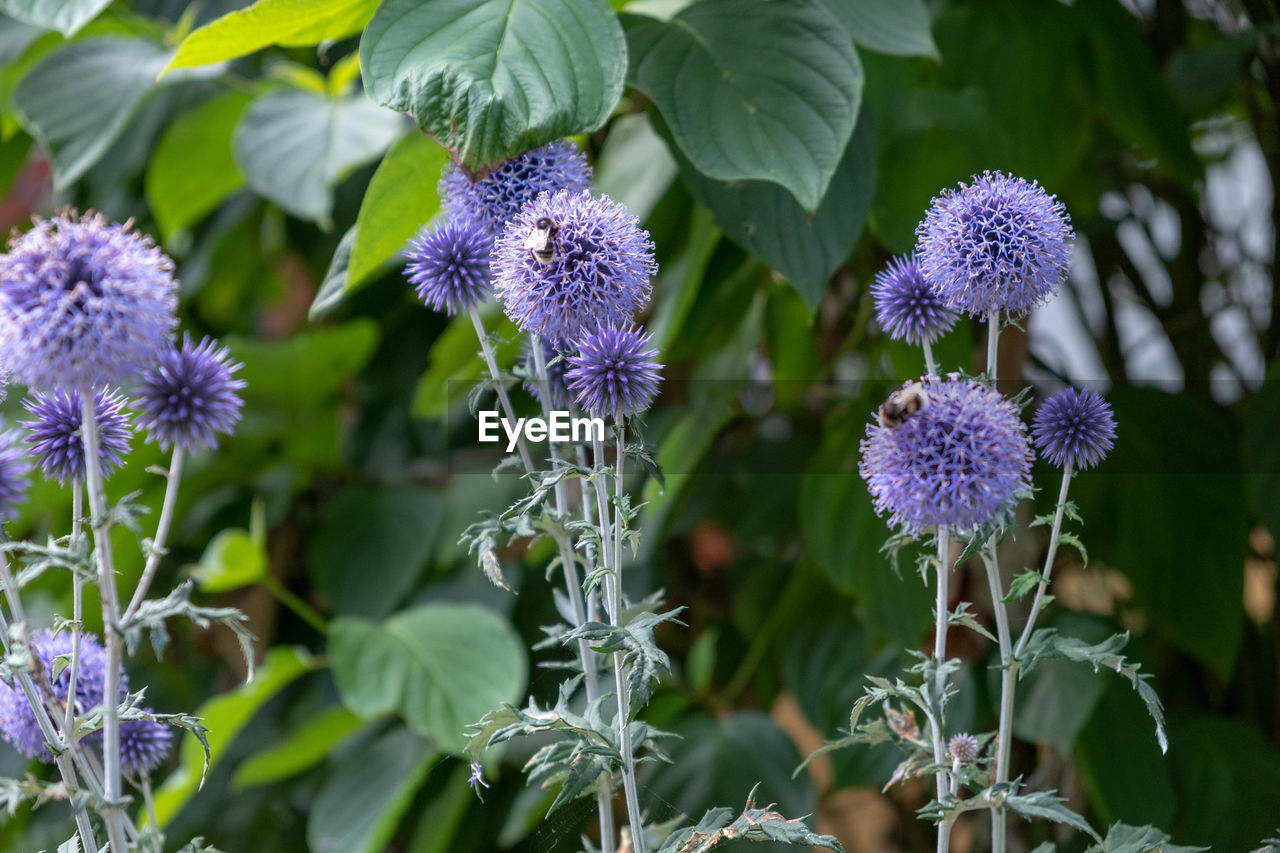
[(1054, 535), (503, 399), (77, 607), (1008, 681), (300, 608), (162, 534), (112, 808), (940, 679), (993, 345), (930, 366)]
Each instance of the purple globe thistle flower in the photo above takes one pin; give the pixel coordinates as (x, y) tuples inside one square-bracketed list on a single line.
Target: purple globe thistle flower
[(570, 263), (1074, 427), (17, 720), (613, 374), (997, 244), (449, 264), (14, 469), (83, 303), (963, 748), (557, 363), (190, 395), (144, 744), (495, 199), (957, 457), (55, 432), (907, 308)]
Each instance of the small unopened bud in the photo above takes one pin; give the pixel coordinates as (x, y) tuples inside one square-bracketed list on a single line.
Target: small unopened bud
[(963, 747)]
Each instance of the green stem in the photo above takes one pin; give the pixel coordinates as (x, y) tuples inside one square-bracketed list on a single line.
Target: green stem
[(1008, 682), (162, 534), (930, 366), (993, 344), (941, 608), (301, 609), (1054, 536), (499, 386)]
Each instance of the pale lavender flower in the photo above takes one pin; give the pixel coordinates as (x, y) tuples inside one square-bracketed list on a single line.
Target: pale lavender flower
[(906, 307), (613, 373), (495, 199), (998, 244), (597, 272), (83, 303), (55, 438), (1074, 427), (190, 395), (449, 264), (14, 469), (963, 748), (961, 460)]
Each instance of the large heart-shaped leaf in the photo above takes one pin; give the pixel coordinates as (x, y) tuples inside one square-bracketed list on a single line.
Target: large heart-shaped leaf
[(493, 79), (440, 666), (294, 146), (65, 16), (78, 100), (757, 91), (286, 22), (766, 220), (899, 27)]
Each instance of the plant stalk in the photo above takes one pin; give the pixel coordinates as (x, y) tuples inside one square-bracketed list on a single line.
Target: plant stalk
[(162, 534), (940, 679), (504, 399), (930, 366), (1054, 535), (1008, 681), (993, 345)]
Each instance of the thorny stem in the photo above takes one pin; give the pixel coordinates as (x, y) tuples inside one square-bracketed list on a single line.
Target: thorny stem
[(162, 534), (611, 549), (1054, 534), (62, 757), (499, 386), (573, 586), (112, 812), (1008, 680), (940, 681)]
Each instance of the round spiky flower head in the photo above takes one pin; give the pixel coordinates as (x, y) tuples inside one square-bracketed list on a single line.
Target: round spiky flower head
[(190, 395), (907, 308), (18, 721), (570, 263), (55, 437), (144, 744), (83, 303), (613, 374), (996, 244), (1074, 427), (963, 748), (449, 264), (557, 362), (14, 469), (495, 199), (958, 456)]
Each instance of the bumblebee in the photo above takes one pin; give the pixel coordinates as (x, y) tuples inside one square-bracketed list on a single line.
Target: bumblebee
[(902, 405), (540, 241)]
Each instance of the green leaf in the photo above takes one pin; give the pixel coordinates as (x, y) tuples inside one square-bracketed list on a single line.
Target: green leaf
[(367, 793), (306, 745), (65, 16), (302, 372), (291, 23), (1139, 839), (1261, 424), (333, 287), (634, 167), (440, 666), (79, 99), (371, 546), (766, 220), (231, 560), (455, 363), (400, 198), (492, 79), (191, 170), (640, 653), (224, 716), (754, 824), (1043, 804), (1125, 775), (294, 146), (1023, 584), (753, 91), (898, 27)]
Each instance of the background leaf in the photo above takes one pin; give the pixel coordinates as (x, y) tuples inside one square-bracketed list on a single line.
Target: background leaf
[(898, 27), (65, 16)]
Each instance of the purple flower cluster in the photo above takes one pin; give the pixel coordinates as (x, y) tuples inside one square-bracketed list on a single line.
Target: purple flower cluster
[(83, 303), (55, 437), (595, 269), (613, 373), (906, 307), (1074, 427), (190, 395), (557, 363), (998, 244), (14, 469), (961, 460), (449, 264), (495, 199)]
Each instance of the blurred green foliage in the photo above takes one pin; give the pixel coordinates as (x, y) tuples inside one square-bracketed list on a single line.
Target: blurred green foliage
[(284, 191)]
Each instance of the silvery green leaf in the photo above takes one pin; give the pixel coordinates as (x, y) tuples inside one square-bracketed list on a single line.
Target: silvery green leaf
[(754, 824), (1043, 804), (1023, 584), (153, 613), (962, 616), (1122, 838), (641, 654)]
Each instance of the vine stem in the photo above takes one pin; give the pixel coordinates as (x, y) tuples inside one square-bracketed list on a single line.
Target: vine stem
[(1008, 681), (499, 386), (62, 756), (611, 547), (112, 807), (940, 679), (573, 585), (1054, 536), (173, 479)]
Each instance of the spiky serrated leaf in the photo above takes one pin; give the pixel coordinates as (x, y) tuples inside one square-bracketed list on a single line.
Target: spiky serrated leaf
[(153, 613), (1044, 804), (1122, 838), (1023, 584), (640, 653), (1074, 541), (754, 824), (962, 616)]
